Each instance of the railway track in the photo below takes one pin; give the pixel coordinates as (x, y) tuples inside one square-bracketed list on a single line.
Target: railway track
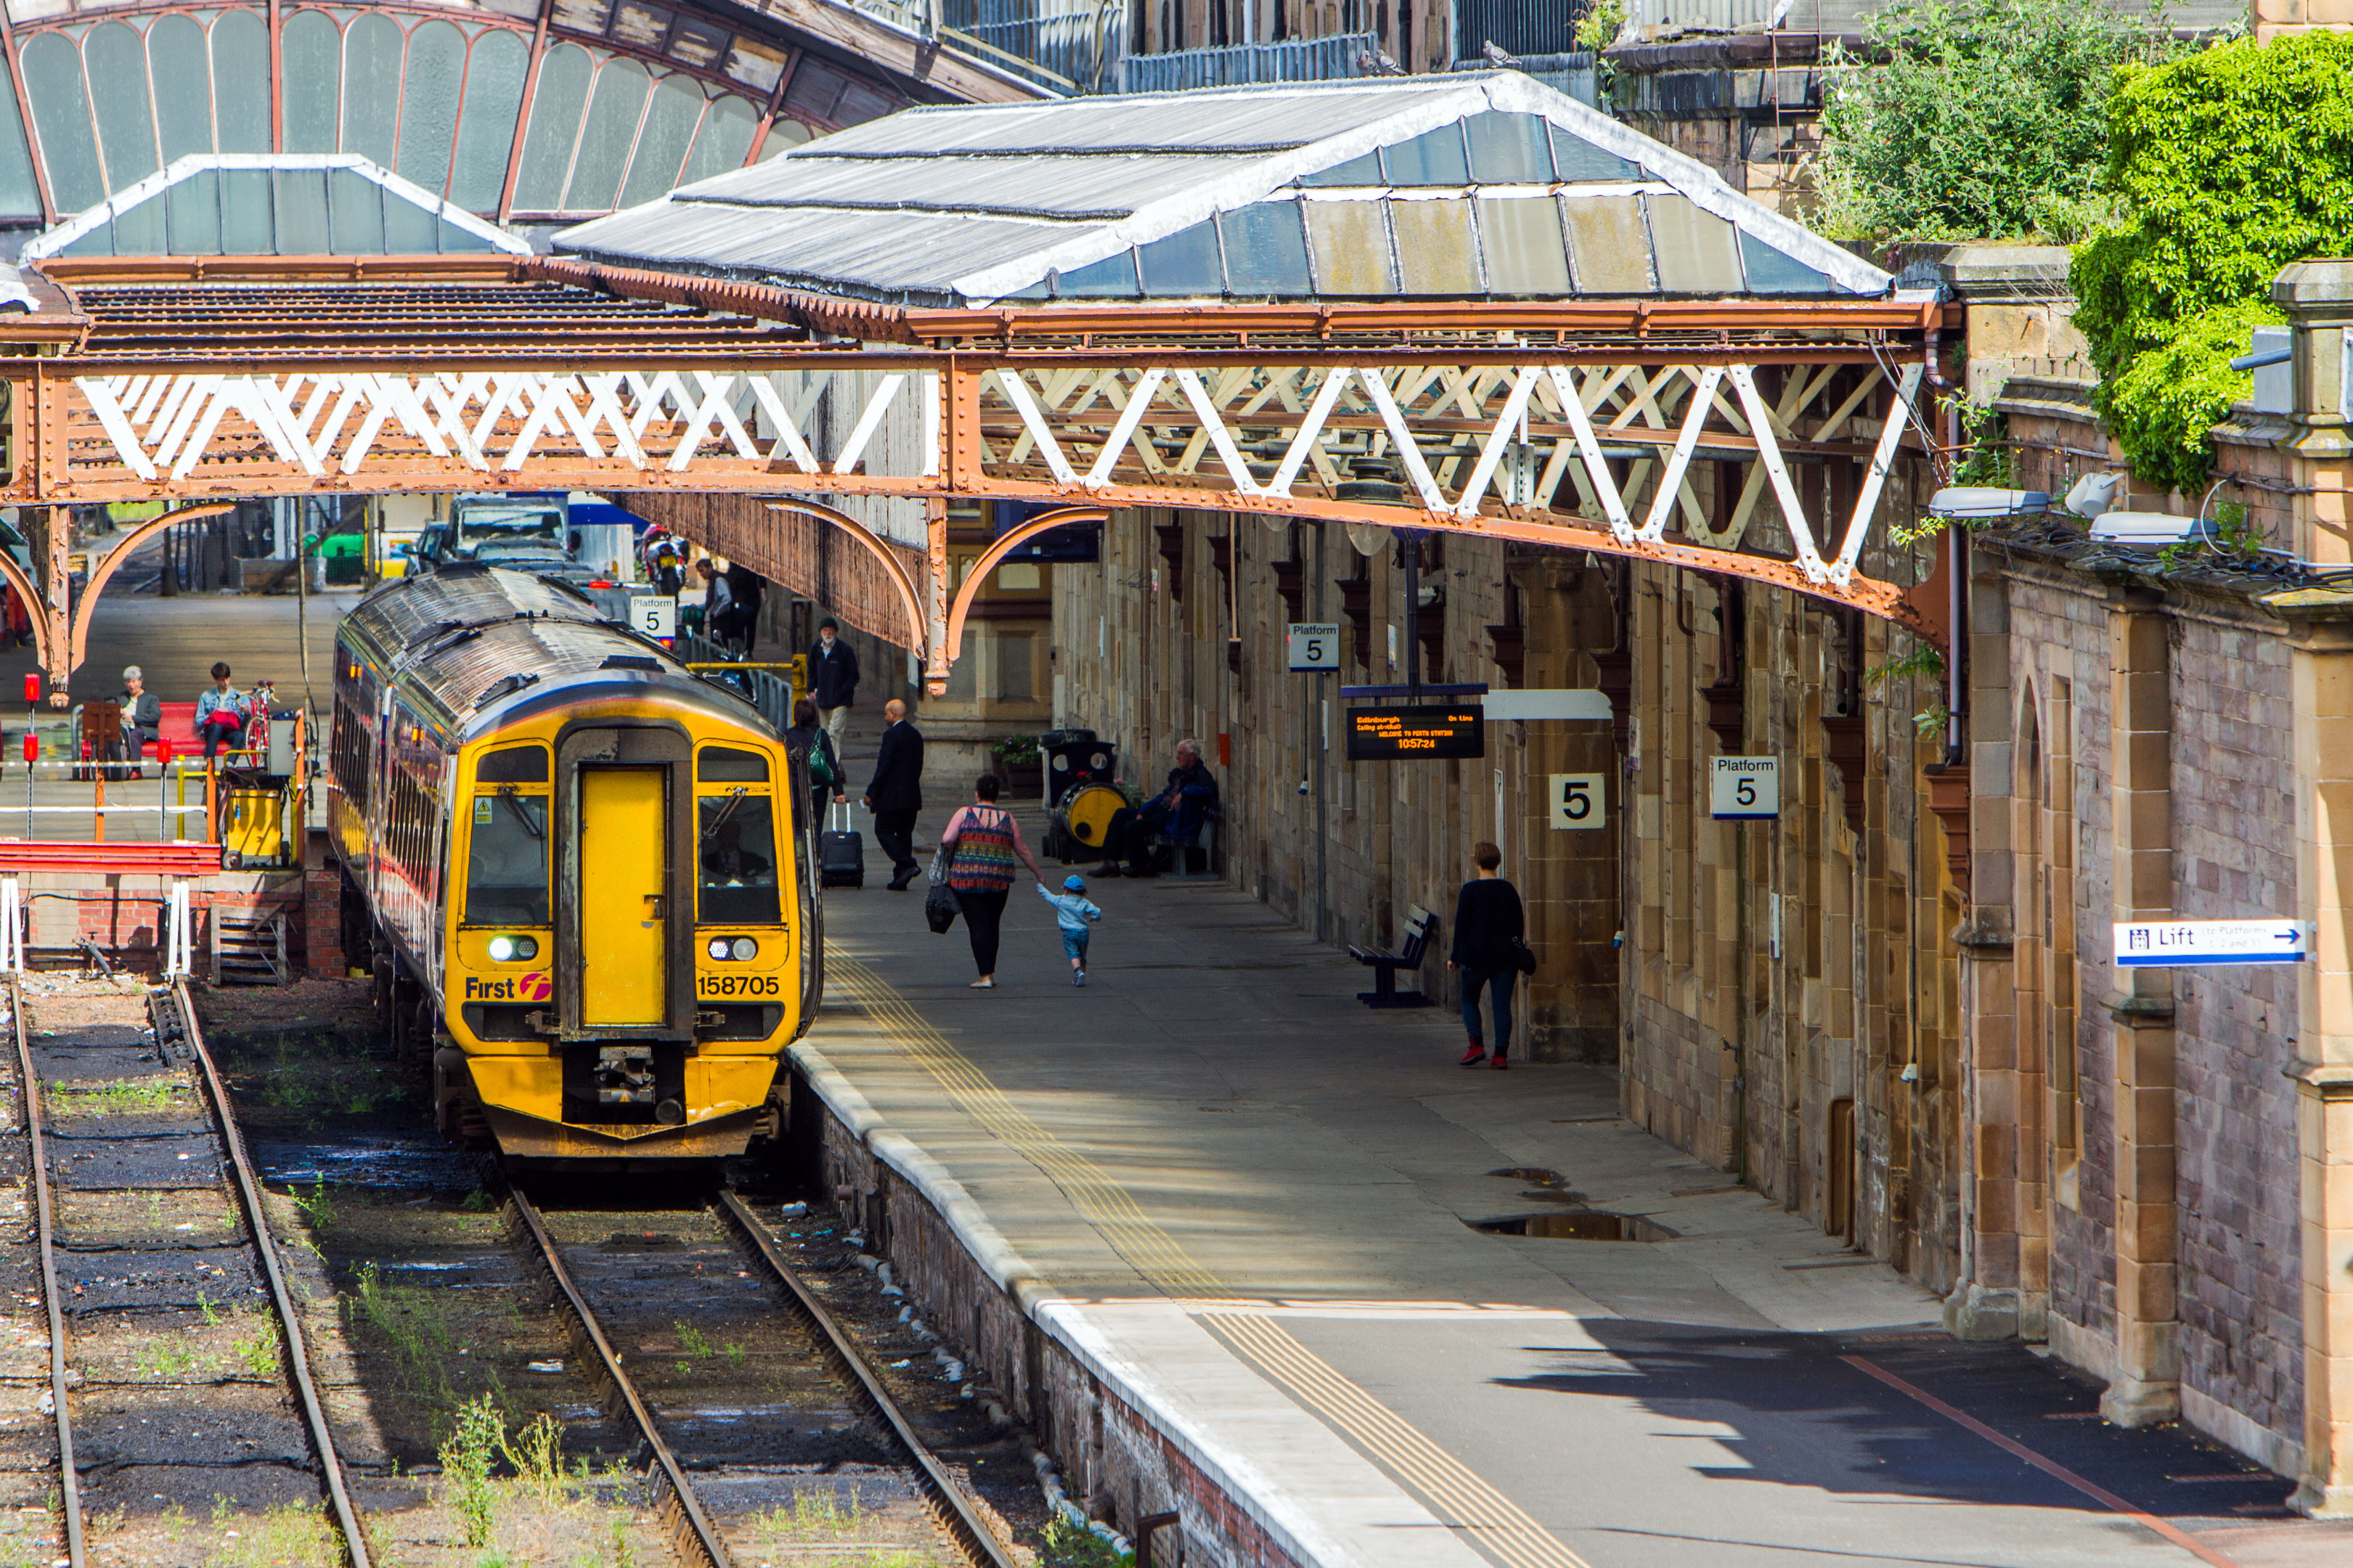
[(811, 1369), (177, 1368), (179, 1382)]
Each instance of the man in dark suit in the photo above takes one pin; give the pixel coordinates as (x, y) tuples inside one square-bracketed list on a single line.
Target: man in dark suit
[(897, 794)]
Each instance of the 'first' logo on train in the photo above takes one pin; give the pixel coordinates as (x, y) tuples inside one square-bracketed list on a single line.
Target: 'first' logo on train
[(531, 987)]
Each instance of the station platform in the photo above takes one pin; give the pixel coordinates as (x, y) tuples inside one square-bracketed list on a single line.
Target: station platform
[(1249, 1208)]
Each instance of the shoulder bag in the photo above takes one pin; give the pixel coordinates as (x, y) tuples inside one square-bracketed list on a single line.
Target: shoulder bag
[(940, 906)]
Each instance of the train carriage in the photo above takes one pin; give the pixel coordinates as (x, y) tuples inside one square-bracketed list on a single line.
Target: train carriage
[(583, 873)]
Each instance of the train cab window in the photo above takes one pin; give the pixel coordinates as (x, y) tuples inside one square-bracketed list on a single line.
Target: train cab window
[(736, 838), (728, 764), (506, 859), (515, 764)]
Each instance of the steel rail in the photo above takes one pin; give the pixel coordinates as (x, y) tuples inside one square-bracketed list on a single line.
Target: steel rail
[(69, 1482), (955, 1511), (697, 1538), (281, 1301)]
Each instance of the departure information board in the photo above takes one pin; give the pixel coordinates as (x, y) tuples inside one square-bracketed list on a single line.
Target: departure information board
[(1391, 734)]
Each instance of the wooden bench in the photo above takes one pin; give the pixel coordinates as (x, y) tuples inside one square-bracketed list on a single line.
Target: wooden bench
[(1420, 928)]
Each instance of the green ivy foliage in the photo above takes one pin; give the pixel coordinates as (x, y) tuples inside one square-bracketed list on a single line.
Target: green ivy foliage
[(1985, 120), (2233, 163), (2164, 403)]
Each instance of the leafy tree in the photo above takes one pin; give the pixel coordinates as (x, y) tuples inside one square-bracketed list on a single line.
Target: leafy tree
[(1976, 119), (2231, 163)]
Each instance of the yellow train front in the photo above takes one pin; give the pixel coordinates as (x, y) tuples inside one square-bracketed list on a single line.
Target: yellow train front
[(583, 873)]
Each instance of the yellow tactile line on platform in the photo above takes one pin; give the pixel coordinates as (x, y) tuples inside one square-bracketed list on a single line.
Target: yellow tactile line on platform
[(1449, 1487)]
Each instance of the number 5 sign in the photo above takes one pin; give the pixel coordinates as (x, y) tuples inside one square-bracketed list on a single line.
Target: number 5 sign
[(1743, 787), (1312, 647), (654, 615), (1577, 800)]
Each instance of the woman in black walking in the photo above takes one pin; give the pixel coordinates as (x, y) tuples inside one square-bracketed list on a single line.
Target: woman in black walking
[(1488, 926)]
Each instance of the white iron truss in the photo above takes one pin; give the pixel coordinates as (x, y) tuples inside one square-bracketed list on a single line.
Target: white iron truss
[(1599, 455)]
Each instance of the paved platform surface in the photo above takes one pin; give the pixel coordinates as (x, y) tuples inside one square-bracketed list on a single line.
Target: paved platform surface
[(1254, 1201)]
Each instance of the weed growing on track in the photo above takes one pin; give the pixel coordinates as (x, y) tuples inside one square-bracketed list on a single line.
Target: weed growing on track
[(690, 1341), (413, 1322), (319, 1208), (110, 1098), (814, 1512), (1070, 1545), (291, 1535), (466, 1468), (259, 1351)]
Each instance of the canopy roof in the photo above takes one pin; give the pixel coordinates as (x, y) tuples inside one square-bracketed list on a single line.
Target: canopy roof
[(1486, 185), (285, 204)]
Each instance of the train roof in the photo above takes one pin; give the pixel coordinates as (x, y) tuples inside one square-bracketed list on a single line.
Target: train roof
[(479, 641)]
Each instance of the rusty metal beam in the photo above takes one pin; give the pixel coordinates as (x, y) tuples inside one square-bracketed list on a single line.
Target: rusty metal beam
[(988, 560)]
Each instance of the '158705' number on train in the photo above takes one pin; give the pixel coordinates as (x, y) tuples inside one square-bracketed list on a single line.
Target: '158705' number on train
[(739, 985)]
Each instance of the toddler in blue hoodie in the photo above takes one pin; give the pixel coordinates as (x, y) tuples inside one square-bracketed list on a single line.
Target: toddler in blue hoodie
[(1072, 911)]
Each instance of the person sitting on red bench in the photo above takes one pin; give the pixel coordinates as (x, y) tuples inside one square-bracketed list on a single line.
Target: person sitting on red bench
[(220, 715)]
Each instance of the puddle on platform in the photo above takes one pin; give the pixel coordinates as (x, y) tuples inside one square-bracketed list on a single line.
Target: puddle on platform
[(1581, 1225)]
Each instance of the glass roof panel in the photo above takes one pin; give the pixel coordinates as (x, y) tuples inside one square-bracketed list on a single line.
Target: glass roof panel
[(117, 57), (1520, 241), (372, 88), (1363, 171), (606, 135), (249, 227), (1266, 251), (355, 213), (1575, 159), (18, 191), (311, 83), (724, 139), (1611, 242), (670, 121), (429, 103), (555, 108), (1435, 252), (182, 70), (192, 208), (1434, 158), (1509, 149), (1184, 265), (1696, 251), (240, 42), (494, 73), (301, 207), (1771, 272), (1350, 242), (52, 72), (1112, 277)]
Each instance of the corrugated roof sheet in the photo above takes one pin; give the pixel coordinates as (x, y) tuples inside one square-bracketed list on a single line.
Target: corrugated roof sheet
[(973, 203)]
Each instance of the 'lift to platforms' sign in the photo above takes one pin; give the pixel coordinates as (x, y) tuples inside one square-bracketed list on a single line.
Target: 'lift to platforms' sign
[(1387, 735), (2151, 944)]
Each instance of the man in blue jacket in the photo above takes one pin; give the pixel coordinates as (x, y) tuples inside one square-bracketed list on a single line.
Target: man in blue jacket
[(1177, 814)]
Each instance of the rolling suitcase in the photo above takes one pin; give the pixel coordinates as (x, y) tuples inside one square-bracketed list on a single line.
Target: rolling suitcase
[(841, 852)]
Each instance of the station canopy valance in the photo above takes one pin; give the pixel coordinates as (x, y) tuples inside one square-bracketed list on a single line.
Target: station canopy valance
[(1465, 187), (286, 204)]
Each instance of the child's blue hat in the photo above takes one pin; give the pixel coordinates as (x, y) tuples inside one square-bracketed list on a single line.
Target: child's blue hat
[(1074, 884)]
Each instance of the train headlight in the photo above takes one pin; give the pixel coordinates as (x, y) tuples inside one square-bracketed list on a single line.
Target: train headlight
[(512, 949), (720, 948), (746, 949)]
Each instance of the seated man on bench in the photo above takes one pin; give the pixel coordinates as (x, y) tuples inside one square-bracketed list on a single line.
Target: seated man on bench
[(1176, 816)]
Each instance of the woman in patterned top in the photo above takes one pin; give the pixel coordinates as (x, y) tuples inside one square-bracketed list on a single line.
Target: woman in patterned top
[(982, 843)]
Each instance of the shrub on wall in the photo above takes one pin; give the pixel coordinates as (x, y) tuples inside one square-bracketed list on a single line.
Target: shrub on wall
[(1985, 120), (2229, 165)]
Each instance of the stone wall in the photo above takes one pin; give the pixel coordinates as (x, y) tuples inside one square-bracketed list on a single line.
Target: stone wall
[(1784, 1063)]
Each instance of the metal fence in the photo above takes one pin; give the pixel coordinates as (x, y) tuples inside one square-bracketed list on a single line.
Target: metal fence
[(771, 693), (1521, 27), (1236, 64)]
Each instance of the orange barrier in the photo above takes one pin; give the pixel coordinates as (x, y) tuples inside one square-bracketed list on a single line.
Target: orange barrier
[(115, 860)]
